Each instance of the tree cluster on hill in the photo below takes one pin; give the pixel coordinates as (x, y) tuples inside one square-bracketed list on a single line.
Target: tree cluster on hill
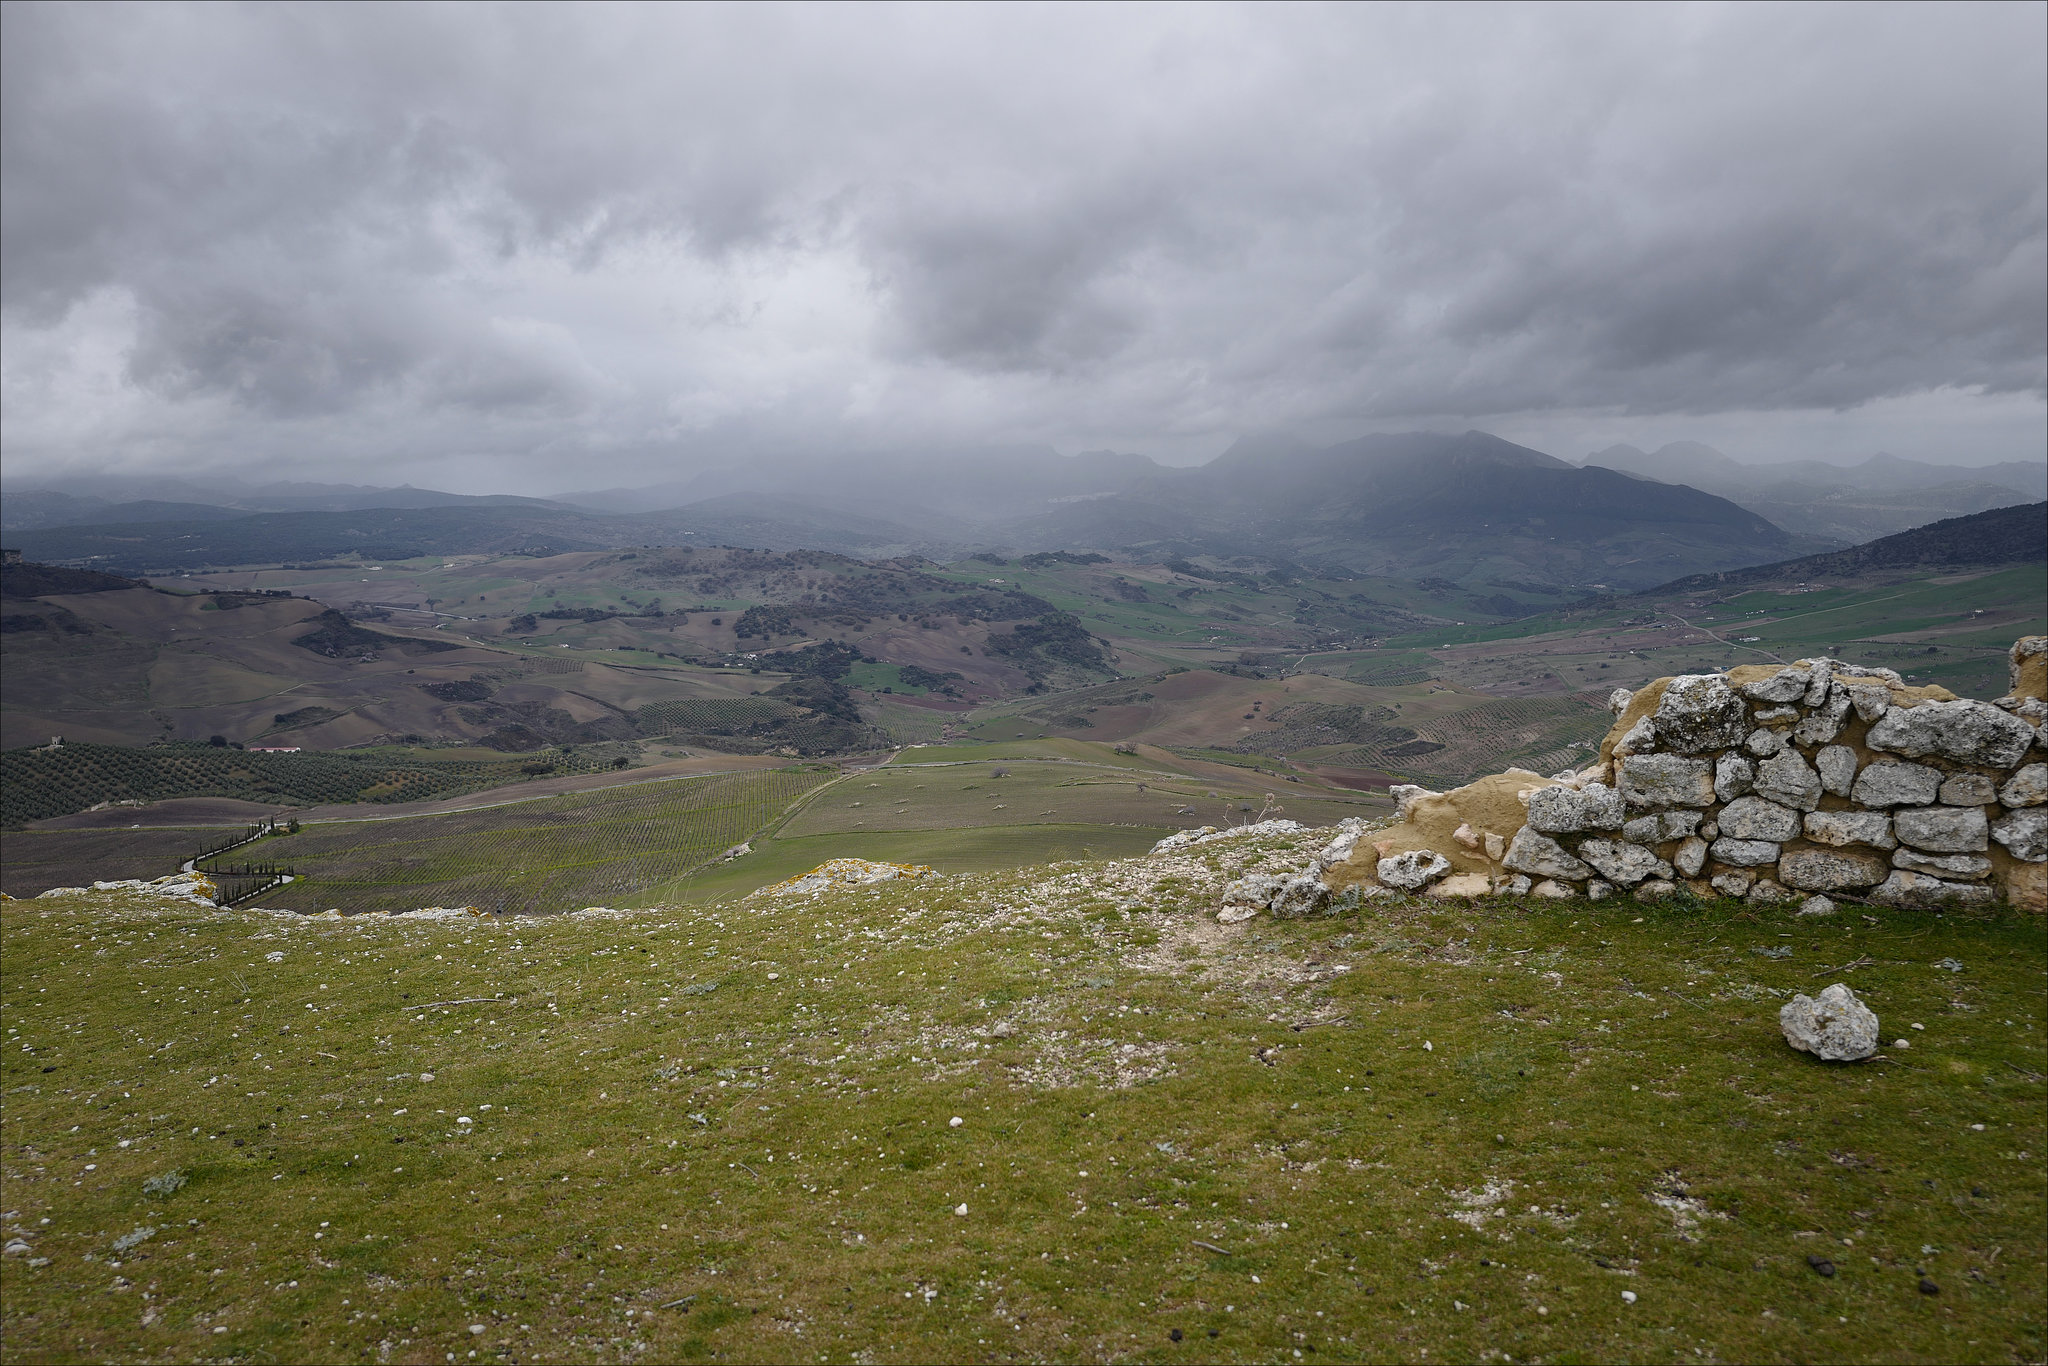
[(336, 637), (26, 579)]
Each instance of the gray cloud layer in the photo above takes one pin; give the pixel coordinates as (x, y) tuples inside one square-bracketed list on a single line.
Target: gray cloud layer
[(541, 246)]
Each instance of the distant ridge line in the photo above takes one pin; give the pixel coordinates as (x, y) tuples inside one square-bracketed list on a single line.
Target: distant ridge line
[(2007, 535)]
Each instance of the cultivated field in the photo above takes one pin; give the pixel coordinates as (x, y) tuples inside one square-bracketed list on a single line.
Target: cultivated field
[(1052, 1115)]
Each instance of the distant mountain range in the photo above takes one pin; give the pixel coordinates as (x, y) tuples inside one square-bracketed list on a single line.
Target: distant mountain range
[(113, 502), (1884, 494), (1470, 508)]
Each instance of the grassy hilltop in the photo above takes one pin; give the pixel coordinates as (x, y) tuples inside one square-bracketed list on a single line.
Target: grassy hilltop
[(727, 1130)]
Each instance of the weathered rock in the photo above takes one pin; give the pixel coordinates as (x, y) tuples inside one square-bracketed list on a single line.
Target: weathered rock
[(1966, 731), (1233, 913), (1823, 870), (1618, 700), (1789, 780), (1834, 1027), (1653, 781), (1556, 891), (1786, 685), (1869, 699), (1560, 810), (1942, 829), (1656, 889), (1413, 870), (1299, 896), (1621, 862), (1824, 723), (1690, 857), (2024, 834), (1541, 856), (1338, 850), (1770, 714), (1661, 828), (1745, 853), (1255, 890), (1513, 885), (1820, 675), (1764, 892), (1463, 885), (1964, 867), (1888, 783), (1734, 882), (1496, 846), (1405, 796), (1968, 789), (1467, 837), (1733, 776), (1596, 890), (2028, 787), (1919, 892), (1816, 905), (1700, 712), (1753, 818), (1637, 739), (2027, 667), (2026, 886), (1838, 828), (1764, 743), (1837, 768)]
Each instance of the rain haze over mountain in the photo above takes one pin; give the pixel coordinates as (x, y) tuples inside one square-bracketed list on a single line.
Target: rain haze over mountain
[(535, 249)]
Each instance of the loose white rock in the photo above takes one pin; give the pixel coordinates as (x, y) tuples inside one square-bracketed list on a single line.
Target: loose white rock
[(1835, 1026), (1412, 870)]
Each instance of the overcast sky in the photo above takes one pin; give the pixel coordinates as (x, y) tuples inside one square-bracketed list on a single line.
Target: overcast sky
[(530, 248)]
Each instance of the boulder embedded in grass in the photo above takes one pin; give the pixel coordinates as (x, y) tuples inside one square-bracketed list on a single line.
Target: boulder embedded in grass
[(1834, 1026)]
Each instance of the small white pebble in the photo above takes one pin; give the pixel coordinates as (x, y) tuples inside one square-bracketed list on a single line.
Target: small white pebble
[(464, 1119), (1921, 1027), (773, 976), (1541, 1310), (1428, 1047), (955, 1122), (960, 1209), (1978, 1127), (426, 1076), (1628, 1297), (476, 1329), (1902, 1043)]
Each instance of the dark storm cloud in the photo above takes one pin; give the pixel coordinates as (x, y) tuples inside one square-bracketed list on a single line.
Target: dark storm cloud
[(525, 233)]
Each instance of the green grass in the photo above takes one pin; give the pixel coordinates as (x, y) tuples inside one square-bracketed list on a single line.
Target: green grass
[(544, 854), (724, 1131)]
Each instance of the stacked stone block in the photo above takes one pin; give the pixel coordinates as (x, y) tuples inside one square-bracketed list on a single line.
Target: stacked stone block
[(1818, 777)]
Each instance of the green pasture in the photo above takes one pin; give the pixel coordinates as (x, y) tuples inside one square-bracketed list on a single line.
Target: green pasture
[(544, 854), (1561, 1131)]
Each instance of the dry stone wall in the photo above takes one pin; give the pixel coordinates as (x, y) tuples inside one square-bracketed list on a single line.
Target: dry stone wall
[(1769, 782)]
